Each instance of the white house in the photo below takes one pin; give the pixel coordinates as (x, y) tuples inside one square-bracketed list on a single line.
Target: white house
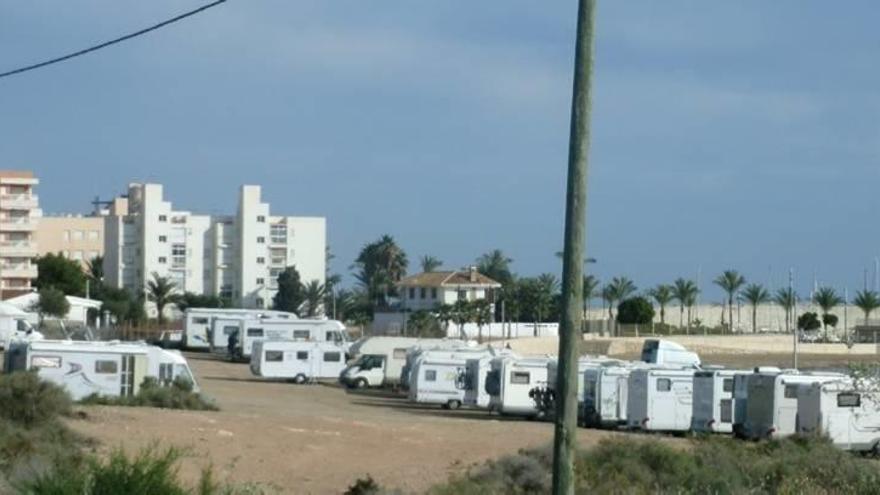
[(431, 289)]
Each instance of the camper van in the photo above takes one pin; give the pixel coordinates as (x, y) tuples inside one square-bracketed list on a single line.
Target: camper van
[(660, 399), (299, 361), (772, 405), (439, 376), (714, 409), (379, 361), (103, 368), (477, 371), (197, 322), (247, 331), (849, 417), (668, 353), (606, 393), (509, 381), (424, 345)]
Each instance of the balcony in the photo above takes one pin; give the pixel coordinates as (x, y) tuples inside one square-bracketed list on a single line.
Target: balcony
[(19, 201), (18, 271), (17, 224), (18, 248)]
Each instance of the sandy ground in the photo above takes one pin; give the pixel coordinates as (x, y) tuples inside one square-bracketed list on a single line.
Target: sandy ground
[(315, 438)]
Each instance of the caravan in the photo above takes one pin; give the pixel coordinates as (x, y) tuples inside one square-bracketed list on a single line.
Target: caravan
[(299, 361), (510, 381), (605, 393), (660, 399), (714, 410), (424, 345), (772, 405), (440, 376), (477, 371), (849, 417), (102, 368), (197, 322), (247, 331)]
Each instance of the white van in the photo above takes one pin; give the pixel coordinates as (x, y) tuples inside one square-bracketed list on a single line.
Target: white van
[(105, 368), (197, 322), (379, 361), (510, 380), (668, 353), (299, 361), (772, 405), (713, 400), (660, 399), (606, 393), (849, 417)]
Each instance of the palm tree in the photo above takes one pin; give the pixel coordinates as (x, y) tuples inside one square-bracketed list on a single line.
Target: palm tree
[(161, 291), (313, 292), (462, 313), (730, 282), (867, 301), (430, 263), (495, 265), (827, 299), (662, 294), (617, 290), (95, 268), (381, 264), (786, 298), (684, 291), (445, 314), (591, 283), (482, 314), (755, 295)]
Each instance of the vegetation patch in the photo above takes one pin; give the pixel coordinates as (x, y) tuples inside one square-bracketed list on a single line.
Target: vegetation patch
[(178, 395)]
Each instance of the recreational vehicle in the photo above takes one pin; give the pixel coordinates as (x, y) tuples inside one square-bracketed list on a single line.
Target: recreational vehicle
[(197, 322), (247, 331), (510, 380), (849, 417), (605, 394), (477, 371), (379, 361), (439, 376), (423, 345), (103, 368), (660, 399), (713, 400), (772, 405), (299, 361), (668, 353)]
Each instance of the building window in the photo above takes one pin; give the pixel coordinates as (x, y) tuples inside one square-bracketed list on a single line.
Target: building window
[(274, 356), (261, 240), (462, 295), (430, 375), (93, 235), (520, 377), (423, 292), (76, 255), (163, 259), (433, 293), (163, 238), (412, 293), (66, 236), (178, 255), (278, 233), (727, 385), (261, 281), (226, 291), (261, 219), (261, 303), (105, 367), (664, 384), (163, 218), (77, 235), (261, 260)]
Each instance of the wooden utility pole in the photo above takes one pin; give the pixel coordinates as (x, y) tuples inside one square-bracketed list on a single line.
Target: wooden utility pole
[(565, 441)]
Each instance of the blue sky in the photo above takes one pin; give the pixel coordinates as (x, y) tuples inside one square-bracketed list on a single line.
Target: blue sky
[(719, 139)]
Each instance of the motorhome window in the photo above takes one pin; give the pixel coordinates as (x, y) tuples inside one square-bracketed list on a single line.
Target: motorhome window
[(664, 384), (254, 332), (106, 367), (400, 353), (849, 399), (166, 372), (274, 356), (726, 411), (520, 377), (229, 330), (791, 391), (431, 375), (332, 337), (302, 334), (45, 362), (302, 355), (332, 357), (200, 321), (728, 385)]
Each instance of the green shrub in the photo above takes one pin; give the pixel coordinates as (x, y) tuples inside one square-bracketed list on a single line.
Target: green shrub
[(27, 400), (179, 395)]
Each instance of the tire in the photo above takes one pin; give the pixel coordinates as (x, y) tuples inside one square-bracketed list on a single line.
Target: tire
[(299, 379), (453, 405), (360, 383)]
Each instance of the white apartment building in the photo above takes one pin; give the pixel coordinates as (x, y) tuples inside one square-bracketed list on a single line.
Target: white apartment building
[(19, 216), (237, 257)]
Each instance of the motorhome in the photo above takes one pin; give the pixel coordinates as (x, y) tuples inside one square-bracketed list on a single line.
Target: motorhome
[(668, 353), (606, 393), (379, 361), (15, 324), (197, 322), (848, 416), (713, 400), (102, 368), (298, 361), (248, 330), (772, 405), (509, 381), (477, 371), (439, 376), (660, 399), (741, 395), (425, 345)]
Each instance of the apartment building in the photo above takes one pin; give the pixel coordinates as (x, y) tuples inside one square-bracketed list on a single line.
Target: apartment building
[(19, 217), (76, 237), (237, 256)]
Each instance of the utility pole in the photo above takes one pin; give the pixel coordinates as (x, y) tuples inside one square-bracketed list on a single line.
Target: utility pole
[(565, 431), (791, 318)]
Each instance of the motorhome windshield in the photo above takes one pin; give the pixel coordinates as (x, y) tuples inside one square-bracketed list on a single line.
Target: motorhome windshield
[(649, 351), (182, 371), (370, 361)]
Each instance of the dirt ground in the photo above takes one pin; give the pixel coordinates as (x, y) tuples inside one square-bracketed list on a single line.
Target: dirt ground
[(315, 438)]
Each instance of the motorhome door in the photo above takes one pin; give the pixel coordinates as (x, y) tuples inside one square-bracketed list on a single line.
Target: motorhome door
[(133, 369)]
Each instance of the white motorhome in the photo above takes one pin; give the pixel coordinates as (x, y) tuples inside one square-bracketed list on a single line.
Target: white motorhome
[(424, 345), (741, 396), (849, 417), (197, 322), (103, 368), (714, 410), (606, 393), (509, 381), (379, 361), (477, 371), (15, 324), (439, 376), (247, 331), (660, 399), (772, 405), (668, 353), (299, 361)]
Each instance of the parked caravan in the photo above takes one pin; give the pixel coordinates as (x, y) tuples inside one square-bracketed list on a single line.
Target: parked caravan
[(247, 331), (668, 353), (299, 361), (379, 361), (741, 395), (477, 372), (423, 345), (510, 380), (606, 393), (197, 322), (772, 405), (714, 410), (439, 376), (103, 368), (660, 399), (849, 417)]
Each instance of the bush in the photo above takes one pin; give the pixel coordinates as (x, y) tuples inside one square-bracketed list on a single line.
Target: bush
[(27, 400), (179, 395), (635, 310)]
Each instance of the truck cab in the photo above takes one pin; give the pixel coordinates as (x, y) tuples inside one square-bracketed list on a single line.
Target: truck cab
[(368, 370)]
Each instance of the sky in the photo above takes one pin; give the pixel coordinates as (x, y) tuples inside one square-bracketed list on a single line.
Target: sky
[(738, 135)]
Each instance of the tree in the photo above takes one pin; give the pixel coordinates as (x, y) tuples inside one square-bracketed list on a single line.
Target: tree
[(829, 320), (95, 269), (808, 322), (827, 299), (495, 265), (535, 298), (618, 289), (52, 302), (730, 282), (635, 311), (482, 313), (430, 263), (313, 297), (192, 300), (161, 292), (380, 265), (663, 294), (462, 313), (424, 324), (755, 295), (685, 292), (787, 299), (867, 301), (54, 270), (290, 294), (445, 314)]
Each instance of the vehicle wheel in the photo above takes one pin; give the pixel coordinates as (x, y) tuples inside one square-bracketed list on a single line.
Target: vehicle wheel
[(299, 379), (453, 405), (360, 383)]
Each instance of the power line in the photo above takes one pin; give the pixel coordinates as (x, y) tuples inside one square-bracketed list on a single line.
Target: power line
[(111, 42)]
